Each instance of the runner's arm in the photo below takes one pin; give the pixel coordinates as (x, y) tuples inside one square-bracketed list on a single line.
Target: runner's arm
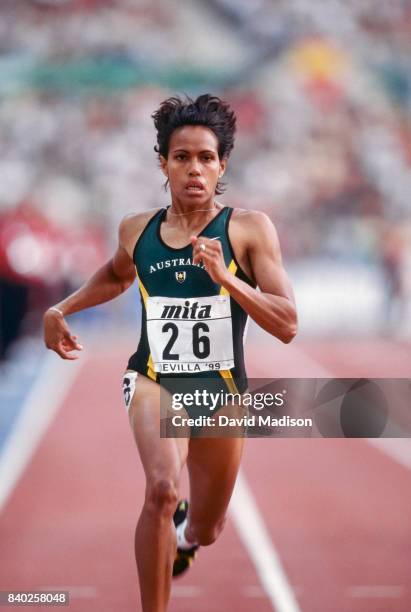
[(108, 282), (273, 307), (112, 279)]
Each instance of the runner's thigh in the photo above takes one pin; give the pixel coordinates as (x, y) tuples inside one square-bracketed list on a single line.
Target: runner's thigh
[(161, 457)]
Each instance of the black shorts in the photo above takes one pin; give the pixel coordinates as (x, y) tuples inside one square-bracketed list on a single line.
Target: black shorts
[(190, 396)]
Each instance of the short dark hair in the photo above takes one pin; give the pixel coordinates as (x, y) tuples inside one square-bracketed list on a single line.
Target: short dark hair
[(207, 110)]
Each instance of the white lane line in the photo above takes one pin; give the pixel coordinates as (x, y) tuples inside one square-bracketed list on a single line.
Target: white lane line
[(45, 397), (377, 591), (256, 540)]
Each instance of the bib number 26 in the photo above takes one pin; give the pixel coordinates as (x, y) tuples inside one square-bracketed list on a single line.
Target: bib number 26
[(201, 342)]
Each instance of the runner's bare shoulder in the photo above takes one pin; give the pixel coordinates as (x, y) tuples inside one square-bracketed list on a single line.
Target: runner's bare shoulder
[(244, 216), (245, 224)]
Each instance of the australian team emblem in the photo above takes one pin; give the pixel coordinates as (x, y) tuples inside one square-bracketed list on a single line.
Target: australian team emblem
[(180, 277)]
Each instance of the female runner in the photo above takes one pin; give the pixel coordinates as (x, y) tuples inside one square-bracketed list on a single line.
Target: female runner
[(198, 266)]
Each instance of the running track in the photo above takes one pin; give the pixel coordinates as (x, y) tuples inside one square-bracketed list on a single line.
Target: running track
[(336, 511)]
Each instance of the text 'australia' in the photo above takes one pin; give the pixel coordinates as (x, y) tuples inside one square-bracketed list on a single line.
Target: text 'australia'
[(172, 263)]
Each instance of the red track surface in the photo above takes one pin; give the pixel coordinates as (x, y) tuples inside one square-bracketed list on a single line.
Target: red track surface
[(337, 510)]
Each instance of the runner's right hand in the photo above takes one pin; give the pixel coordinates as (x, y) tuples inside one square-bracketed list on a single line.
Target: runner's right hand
[(57, 336)]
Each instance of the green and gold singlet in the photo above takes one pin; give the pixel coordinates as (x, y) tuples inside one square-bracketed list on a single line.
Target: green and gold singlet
[(190, 325)]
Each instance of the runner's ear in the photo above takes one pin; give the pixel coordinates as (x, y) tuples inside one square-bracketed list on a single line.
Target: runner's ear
[(223, 166)]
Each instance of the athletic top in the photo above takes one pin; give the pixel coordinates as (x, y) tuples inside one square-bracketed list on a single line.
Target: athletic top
[(190, 326)]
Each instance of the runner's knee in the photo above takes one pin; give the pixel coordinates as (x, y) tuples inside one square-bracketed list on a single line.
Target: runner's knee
[(162, 495)]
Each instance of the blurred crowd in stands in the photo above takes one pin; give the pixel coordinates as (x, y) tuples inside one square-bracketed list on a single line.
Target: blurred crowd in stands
[(323, 97)]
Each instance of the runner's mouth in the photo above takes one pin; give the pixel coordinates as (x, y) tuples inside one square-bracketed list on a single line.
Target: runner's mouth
[(194, 187)]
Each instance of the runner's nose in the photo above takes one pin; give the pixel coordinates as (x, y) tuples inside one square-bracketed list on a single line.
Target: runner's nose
[(194, 169)]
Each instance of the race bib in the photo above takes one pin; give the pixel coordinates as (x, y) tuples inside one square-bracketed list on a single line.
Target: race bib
[(190, 334)]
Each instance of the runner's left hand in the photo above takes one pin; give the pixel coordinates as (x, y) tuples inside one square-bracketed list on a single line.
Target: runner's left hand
[(212, 257)]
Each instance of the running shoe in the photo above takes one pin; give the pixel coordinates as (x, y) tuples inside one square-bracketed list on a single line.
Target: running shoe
[(184, 558)]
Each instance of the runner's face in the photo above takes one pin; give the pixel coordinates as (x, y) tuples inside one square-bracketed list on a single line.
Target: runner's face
[(193, 165)]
